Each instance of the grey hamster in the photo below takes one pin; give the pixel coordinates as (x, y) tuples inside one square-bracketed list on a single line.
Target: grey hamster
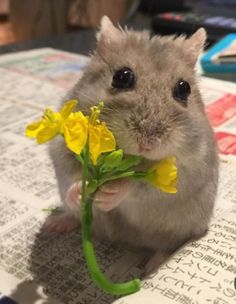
[(154, 108)]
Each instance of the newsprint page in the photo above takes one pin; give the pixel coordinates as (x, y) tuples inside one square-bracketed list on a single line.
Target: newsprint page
[(39, 268)]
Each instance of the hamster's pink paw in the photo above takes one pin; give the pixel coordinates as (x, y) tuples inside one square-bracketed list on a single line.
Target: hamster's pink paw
[(155, 262), (73, 195), (111, 194), (61, 223)]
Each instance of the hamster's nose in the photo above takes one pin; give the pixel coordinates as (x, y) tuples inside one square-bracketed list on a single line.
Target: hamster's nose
[(145, 147)]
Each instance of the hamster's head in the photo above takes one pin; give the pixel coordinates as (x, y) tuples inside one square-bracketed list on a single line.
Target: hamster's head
[(148, 85)]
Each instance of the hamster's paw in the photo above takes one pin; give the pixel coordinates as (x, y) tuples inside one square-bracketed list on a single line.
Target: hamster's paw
[(111, 194), (73, 195), (154, 263), (61, 223)]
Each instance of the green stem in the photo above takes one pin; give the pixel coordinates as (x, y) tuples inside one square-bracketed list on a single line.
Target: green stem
[(140, 176), (80, 159), (93, 267)]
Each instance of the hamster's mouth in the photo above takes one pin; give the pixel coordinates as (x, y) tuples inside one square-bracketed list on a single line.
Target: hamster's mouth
[(151, 152), (146, 151)]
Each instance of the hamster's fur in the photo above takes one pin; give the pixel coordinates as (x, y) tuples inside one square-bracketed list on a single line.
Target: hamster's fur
[(148, 115)]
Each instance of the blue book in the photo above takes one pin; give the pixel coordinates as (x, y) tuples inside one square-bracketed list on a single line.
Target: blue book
[(221, 58)]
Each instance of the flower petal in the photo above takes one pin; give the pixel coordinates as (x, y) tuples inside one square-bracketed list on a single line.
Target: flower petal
[(47, 133), (33, 129), (164, 175), (75, 130), (100, 140), (170, 188), (68, 108)]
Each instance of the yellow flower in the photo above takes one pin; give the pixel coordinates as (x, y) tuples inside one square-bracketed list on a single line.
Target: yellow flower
[(78, 128), (164, 175), (51, 123), (75, 130), (101, 140)]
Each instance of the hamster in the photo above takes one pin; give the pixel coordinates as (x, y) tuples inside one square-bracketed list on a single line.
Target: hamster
[(153, 106)]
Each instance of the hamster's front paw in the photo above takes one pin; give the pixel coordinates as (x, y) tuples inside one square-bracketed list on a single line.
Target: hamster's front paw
[(111, 194), (73, 195)]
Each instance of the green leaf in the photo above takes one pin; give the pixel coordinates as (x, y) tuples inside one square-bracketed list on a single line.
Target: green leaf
[(93, 185), (129, 161), (112, 160), (101, 158)]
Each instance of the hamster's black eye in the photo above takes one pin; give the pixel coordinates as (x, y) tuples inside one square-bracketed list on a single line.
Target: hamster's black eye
[(123, 79), (182, 91)]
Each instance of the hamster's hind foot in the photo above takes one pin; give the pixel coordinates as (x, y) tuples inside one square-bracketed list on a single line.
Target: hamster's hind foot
[(154, 263), (61, 223)]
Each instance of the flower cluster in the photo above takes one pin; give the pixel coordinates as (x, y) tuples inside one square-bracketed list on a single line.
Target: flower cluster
[(76, 129)]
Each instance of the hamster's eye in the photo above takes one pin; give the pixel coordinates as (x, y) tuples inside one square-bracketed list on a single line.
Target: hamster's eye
[(123, 79), (182, 91)]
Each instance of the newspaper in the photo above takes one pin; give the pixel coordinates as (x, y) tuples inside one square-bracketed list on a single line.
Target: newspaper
[(36, 267)]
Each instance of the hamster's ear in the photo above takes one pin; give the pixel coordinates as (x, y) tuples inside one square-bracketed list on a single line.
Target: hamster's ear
[(194, 45), (107, 35)]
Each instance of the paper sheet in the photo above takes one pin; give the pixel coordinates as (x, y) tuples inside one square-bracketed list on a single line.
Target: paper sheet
[(36, 267)]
